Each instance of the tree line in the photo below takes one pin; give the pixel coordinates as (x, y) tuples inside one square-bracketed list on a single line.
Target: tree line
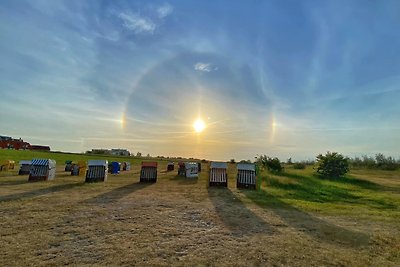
[(332, 164)]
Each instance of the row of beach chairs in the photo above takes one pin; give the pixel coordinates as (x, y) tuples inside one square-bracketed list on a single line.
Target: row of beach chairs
[(97, 170)]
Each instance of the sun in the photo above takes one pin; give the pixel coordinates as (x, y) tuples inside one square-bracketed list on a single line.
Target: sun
[(199, 125)]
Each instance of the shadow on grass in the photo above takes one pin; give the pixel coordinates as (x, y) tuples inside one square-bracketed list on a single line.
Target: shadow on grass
[(307, 223), (314, 190), (353, 181), (363, 183), (348, 179), (235, 215), (40, 192), (14, 182), (117, 193), (184, 180)]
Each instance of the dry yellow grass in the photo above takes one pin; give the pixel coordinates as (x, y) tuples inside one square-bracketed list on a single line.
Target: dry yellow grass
[(178, 222)]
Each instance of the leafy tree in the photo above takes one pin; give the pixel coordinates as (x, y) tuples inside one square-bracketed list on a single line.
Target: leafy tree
[(289, 161), (385, 163), (332, 164), (138, 154), (380, 161), (271, 164)]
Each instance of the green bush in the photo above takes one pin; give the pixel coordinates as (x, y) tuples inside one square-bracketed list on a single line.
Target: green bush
[(299, 165), (332, 164), (271, 164)]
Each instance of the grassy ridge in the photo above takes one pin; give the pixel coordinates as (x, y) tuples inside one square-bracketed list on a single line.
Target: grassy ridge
[(60, 157)]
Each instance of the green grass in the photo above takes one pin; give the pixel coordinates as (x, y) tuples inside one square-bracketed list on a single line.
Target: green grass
[(60, 158), (363, 193), (364, 197), (295, 219)]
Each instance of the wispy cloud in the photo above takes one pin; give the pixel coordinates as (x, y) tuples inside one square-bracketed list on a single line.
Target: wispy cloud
[(205, 67), (164, 10), (148, 22), (137, 23)]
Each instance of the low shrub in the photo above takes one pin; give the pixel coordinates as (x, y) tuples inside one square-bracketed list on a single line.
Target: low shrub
[(299, 165)]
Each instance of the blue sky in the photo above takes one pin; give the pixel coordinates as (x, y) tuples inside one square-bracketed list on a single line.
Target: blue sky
[(282, 78)]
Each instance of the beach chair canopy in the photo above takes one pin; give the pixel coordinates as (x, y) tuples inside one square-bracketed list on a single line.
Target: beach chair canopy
[(218, 165), (246, 166), (98, 162), (149, 164)]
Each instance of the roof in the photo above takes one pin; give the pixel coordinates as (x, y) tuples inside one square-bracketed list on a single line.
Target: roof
[(25, 162), (44, 162), (218, 165), (149, 164), (98, 162), (246, 166)]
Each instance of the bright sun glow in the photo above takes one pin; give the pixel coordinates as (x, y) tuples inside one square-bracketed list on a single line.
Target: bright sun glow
[(199, 125)]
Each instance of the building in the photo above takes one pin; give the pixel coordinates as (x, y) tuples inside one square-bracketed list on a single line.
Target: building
[(114, 152), (120, 152), (39, 147), (7, 142)]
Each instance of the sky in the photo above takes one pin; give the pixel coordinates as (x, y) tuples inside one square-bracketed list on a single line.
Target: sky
[(285, 78)]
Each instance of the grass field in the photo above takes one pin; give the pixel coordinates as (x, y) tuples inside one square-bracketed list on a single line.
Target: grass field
[(295, 219), (60, 158)]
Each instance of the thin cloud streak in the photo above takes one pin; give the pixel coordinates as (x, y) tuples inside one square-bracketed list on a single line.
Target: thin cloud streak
[(137, 24)]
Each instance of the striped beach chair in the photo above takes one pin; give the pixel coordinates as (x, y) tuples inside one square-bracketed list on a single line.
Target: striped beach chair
[(25, 167), (68, 165), (97, 171), (218, 174), (148, 172), (7, 165), (246, 176), (79, 168), (191, 170), (115, 167), (170, 166), (126, 166), (42, 170), (181, 169)]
